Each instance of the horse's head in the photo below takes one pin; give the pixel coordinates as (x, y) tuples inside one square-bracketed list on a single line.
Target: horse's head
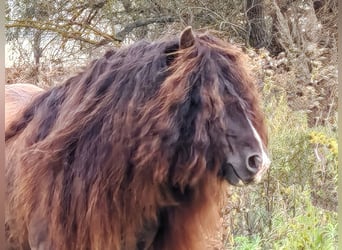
[(246, 159), (235, 120)]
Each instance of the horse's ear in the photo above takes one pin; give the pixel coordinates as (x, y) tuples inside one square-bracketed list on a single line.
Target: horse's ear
[(187, 38)]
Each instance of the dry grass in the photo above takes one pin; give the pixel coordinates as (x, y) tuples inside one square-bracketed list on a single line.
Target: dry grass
[(43, 77)]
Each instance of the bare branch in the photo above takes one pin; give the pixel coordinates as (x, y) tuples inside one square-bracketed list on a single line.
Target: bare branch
[(65, 30), (122, 34)]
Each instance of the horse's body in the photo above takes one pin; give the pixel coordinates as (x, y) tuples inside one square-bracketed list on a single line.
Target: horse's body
[(17, 97), (132, 152)]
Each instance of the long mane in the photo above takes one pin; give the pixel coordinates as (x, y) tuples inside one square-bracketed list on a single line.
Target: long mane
[(126, 144)]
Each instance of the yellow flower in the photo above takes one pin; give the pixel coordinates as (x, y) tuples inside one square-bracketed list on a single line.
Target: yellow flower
[(321, 139)]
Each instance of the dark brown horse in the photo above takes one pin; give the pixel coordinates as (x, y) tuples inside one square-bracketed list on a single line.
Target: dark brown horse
[(132, 152)]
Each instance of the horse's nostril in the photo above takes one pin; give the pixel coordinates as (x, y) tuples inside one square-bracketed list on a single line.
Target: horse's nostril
[(254, 163)]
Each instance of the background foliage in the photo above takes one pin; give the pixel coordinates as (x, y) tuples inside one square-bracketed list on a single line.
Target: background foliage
[(292, 46)]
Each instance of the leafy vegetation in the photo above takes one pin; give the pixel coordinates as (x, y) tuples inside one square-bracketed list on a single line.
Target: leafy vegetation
[(295, 206)]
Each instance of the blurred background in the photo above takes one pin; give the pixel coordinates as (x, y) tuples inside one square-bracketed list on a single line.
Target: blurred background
[(292, 49)]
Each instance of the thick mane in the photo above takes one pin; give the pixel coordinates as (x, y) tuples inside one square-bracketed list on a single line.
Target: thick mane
[(121, 145)]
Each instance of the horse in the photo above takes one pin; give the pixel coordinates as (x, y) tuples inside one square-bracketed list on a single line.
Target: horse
[(135, 151)]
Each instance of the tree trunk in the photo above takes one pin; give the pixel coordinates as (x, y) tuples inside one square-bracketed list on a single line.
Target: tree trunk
[(256, 25), (37, 50), (37, 53)]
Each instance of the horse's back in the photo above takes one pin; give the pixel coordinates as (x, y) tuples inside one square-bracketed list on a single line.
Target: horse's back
[(17, 97)]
